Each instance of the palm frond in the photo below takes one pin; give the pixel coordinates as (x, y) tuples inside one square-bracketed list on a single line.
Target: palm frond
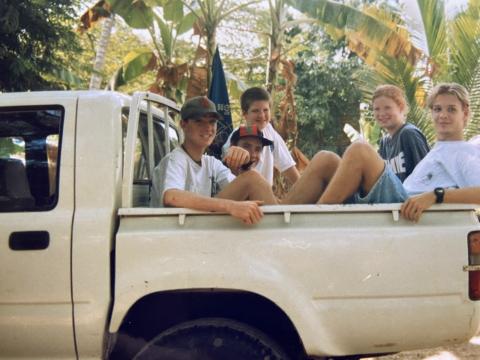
[(421, 118), (464, 36), (473, 127), (435, 28), (367, 79), (366, 32)]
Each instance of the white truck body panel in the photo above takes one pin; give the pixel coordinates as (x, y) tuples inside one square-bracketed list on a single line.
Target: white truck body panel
[(338, 272), (35, 292), (98, 177)]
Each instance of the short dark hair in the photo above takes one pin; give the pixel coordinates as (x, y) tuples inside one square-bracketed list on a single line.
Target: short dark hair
[(251, 95)]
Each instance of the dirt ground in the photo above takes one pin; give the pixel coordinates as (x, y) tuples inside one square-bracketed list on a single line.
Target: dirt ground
[(466, 351)]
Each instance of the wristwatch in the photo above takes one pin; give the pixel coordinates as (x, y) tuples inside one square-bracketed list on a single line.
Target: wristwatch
[(439, 194)]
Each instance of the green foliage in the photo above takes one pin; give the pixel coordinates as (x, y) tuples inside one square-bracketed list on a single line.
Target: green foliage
[(35, 39), (450, 49), (137, 14), (209, 14), (327, 98), (122, 41), (163, 55), (173, 11), (135, 63), (8, 147), (369, 29)]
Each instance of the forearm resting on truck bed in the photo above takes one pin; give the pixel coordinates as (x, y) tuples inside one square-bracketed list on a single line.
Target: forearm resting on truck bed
[(468, 195), (186, 199), (247, 211)]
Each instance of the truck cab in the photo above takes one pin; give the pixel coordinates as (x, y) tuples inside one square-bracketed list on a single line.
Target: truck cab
[(61, 164)]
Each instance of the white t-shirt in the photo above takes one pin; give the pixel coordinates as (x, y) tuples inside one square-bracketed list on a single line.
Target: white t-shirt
[(276, 156), (475, 140), (449, 164), (177, 170)]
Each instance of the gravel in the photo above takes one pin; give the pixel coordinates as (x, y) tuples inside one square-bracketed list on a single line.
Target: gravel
[(465, 351)]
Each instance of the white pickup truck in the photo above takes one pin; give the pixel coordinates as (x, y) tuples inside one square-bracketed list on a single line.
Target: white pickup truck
[(89, 271)]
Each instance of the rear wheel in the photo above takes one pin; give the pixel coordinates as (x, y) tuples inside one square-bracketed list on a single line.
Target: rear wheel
[(212, 339)]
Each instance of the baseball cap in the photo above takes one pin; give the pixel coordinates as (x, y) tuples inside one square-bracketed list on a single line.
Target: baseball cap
[(198, 106), (249, 131)]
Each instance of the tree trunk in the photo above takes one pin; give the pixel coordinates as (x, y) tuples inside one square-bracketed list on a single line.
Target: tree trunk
[(96, 79), (211, 47), (277, 9)]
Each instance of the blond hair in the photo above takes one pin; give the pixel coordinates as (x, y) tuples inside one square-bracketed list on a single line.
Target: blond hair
[(392, 92), (454, 89)]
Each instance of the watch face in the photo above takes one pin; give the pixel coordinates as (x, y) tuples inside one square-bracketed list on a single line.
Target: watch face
[(439, 193)]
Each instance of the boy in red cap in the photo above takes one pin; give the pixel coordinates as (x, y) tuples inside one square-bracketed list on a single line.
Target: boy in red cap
[(252, 140)]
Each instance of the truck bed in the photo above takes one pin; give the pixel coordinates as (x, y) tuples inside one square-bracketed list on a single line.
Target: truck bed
[(354, 279)]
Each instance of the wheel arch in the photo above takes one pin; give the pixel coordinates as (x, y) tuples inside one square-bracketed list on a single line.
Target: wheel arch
[(159, 311)]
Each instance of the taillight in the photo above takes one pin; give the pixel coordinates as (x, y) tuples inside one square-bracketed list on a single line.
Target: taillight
[(474, 265)]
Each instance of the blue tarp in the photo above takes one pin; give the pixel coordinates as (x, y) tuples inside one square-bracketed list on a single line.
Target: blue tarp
[(218, 93)]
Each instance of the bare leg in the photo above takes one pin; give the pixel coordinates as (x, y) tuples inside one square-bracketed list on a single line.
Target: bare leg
[(249, 185), (314, 179), (360, 168)]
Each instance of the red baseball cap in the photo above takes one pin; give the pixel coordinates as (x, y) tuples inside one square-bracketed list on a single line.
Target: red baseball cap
[(249, 131)]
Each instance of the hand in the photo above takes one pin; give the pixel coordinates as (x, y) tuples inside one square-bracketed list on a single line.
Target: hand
[(236, 157), (247, 211), (414, 206)]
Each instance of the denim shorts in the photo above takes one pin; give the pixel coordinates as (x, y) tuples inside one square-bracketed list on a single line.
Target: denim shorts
[(387, 189)]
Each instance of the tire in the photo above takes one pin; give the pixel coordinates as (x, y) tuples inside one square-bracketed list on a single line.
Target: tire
[(211, 339)]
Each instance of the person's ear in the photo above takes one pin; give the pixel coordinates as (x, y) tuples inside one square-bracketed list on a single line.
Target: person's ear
[(183, 123)]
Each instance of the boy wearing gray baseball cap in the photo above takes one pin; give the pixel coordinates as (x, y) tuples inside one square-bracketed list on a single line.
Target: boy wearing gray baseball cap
[(187, 177)]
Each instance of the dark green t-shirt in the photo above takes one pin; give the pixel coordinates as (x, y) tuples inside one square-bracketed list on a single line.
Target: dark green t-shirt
[(404, 150)]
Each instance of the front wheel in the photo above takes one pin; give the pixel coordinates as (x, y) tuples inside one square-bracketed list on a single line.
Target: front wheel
[(212, 339)]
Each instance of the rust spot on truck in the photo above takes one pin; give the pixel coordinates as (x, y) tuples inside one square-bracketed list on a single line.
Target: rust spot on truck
[(384, 345)]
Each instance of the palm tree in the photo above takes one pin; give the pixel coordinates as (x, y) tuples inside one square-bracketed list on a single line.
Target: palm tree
[(98, 11), (450, 49), (96, 79), (209, 14), (164, 28)]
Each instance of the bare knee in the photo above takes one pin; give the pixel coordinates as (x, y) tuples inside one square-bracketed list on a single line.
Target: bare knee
[(360, 151), (251, 175), (253, 178), (325, 159)]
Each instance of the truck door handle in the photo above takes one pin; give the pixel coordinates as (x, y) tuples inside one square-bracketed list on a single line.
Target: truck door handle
[(29, 240)]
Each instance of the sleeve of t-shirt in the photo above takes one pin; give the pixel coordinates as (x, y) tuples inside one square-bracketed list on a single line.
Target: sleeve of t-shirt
[(470, 168), (171, 173), (223, 174), (415, 148), (282, 159)]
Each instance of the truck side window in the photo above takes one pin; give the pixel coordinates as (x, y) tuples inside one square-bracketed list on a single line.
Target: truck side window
[(29, 154)]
